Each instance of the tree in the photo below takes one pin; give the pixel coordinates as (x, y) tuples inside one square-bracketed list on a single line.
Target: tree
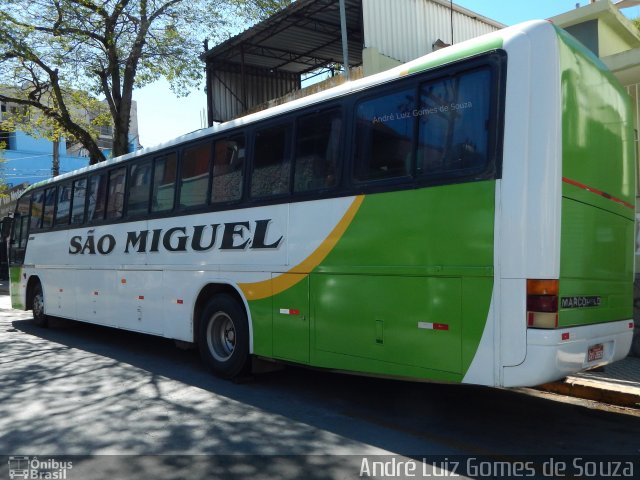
[(50, 48)]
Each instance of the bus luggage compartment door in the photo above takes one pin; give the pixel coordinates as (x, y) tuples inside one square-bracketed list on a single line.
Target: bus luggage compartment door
[(291, 319), (415, 321)]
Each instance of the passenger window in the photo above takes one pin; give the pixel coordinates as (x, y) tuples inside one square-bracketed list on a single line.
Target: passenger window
[(139, 189), (64, 202), (164, 181), (36, 210), (454, 118), (228, 165), (385, 136), (78, 204), (317, 151), (97, 197), (194, 176), (271, 162), (49, 207), (115, 199)]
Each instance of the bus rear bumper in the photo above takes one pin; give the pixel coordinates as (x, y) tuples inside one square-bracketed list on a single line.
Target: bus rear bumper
[(554, 354)]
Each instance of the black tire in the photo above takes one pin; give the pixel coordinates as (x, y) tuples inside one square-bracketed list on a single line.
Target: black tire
[(37, 305), (223, 337)]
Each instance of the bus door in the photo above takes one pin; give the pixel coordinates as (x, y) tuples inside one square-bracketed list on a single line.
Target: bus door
[(291, 318)]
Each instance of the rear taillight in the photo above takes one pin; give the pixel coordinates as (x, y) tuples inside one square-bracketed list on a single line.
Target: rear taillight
[(542, 303)]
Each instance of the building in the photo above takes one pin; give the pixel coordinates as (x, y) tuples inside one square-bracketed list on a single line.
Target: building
[(268, 63), (28, 159)]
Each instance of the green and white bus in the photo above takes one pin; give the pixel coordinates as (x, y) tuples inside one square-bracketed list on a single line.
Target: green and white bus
[(467, 217)]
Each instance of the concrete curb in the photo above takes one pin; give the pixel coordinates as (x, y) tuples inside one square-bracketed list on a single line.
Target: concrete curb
[(621, 396)]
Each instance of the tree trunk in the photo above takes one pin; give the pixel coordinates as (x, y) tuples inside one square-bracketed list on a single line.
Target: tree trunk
[(120, 143), (121, 128)]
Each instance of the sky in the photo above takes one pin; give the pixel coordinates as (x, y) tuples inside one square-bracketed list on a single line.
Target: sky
[(163, 116)]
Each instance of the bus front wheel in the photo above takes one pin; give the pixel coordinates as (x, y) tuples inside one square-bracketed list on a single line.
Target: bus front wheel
[(223, 338), (37, 305)]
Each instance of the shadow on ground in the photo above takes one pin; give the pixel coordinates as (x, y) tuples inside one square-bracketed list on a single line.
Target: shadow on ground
[(85, 389)]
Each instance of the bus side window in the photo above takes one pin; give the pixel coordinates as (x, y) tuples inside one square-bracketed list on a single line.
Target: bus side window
[(317, 151), (194, 176), (36, 211), (115, 198), (49, 207), (384, 136), (64, 202), (271, 162), (78, 204), (164, 183), (97, 197), (228, 162), (454, 118), (139, 187)]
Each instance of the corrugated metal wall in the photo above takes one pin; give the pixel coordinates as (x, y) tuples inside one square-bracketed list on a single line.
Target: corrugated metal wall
[(260, 85), (406, 29)]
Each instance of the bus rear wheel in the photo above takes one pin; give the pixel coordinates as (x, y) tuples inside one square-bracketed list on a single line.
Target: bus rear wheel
[(37, 305), (223, 337)]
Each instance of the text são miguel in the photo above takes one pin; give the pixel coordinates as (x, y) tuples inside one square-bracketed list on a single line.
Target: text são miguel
[(200, 238)]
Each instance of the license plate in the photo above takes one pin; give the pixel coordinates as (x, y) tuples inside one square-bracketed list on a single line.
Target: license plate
[(595, 352)]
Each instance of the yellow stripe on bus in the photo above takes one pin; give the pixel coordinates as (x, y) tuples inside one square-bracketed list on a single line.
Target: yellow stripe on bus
[(267, 288)]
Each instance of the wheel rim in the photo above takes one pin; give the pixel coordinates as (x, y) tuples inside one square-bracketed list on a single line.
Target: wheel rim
[(38, 305), (221, 336)]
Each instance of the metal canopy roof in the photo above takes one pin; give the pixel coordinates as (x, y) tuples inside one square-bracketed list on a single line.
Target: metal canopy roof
[(301, 38)]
